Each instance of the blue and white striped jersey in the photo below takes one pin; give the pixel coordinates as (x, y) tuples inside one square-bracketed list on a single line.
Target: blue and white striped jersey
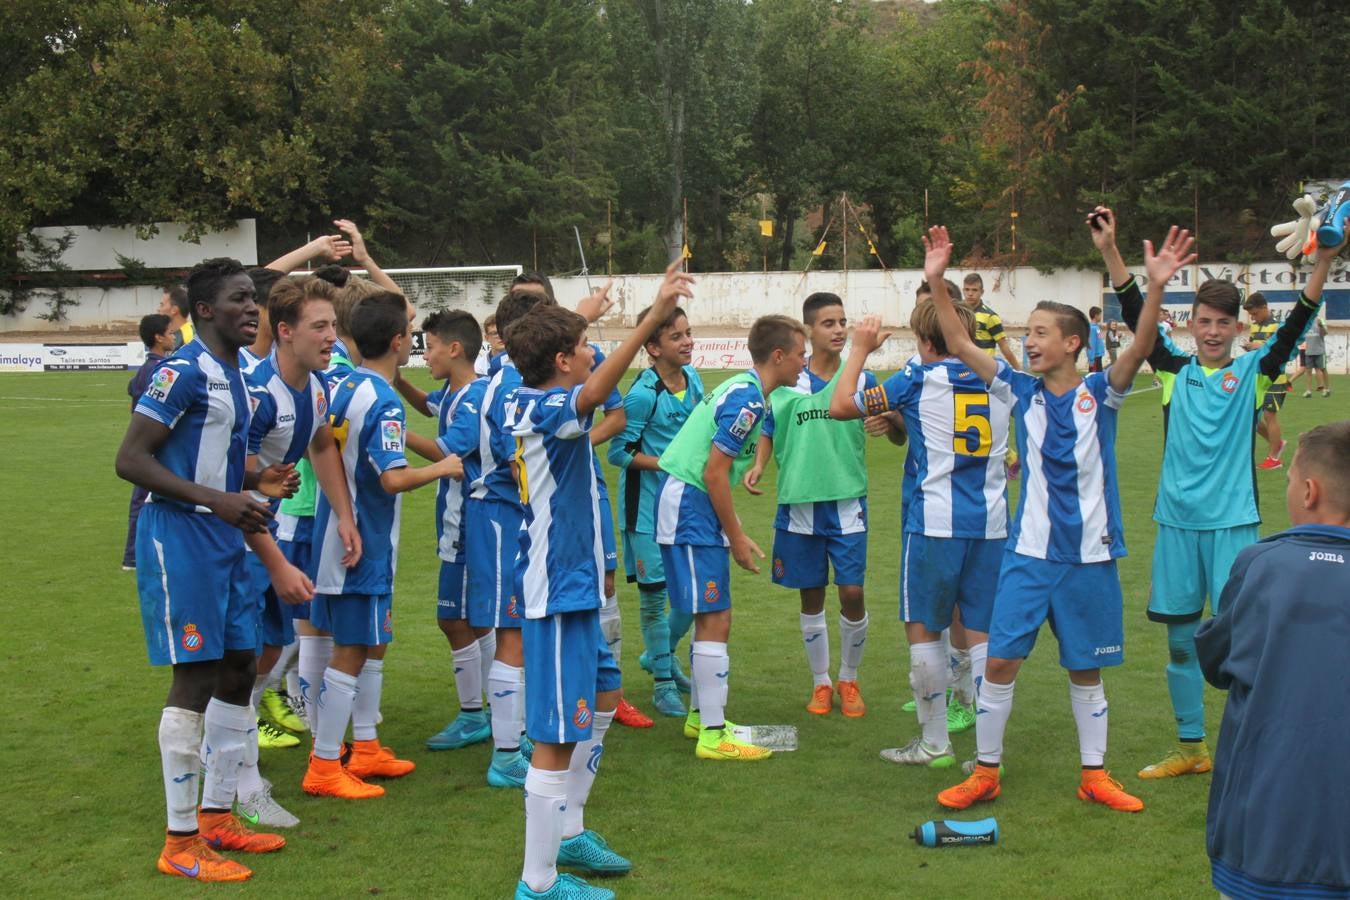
[(561, 564), (457, 424), (954, 485), (1069, 509), (204, 404), (496, 445), (284, 419), (368, 423)]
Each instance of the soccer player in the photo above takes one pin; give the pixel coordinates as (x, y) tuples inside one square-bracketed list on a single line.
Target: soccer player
[(822, 510), (1262, 329), (492, 347), (1060, 561), (174, 304), (1313, 359), (574, 680), (655, 407), (697, 526), (989, 332), (355, 605), (1206, 507), (1278, 648), (186, 445), (955, 509), (1096, 345), (290, 421), (453, 341), (154, 332)]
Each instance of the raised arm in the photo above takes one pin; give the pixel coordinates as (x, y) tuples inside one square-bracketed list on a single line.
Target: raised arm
[(361, 255), (1280, 348), (937, 247), (1102, 224), (329, 246), (1175, 254), (867, 337)]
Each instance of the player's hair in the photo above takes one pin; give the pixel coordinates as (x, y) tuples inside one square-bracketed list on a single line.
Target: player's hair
[(178, 298), (536, 338), (376, 321), (538, 278), (774, 332), (490, 320), (205, 279), (1070, 321), (152, 326), (668, 322), (925, 324), (456, 325), (816, 302), (1220, 294), (973, 278), (287, 299), (350, 295), (334, 274), (924, 290), (1322, 453), (515, 304), (1094, 312), (263, 280)]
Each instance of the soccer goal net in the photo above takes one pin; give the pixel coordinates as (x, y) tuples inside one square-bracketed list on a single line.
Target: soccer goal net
[(474, 288)]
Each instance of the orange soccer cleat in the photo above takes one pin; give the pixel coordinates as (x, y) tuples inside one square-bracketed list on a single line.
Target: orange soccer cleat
[(222, 831), (1098, 786), (189, 857), (327, 778), (370, 759), (981, 785), (850, 700), (628, 714), (822, 700)]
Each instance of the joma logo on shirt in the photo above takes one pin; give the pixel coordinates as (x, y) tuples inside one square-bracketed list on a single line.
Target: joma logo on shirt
[(1318, 556), (217, 385), (806, 415)]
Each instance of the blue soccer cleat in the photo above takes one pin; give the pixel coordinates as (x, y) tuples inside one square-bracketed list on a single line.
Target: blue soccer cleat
[(681, 679), (526, 747), (589, 851), (468, 728), (507, 770), (567, 887), (666, 698)]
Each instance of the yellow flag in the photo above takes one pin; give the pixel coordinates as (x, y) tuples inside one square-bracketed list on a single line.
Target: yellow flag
[(820, 249), (766, 227), (685, 253), (871, 248)]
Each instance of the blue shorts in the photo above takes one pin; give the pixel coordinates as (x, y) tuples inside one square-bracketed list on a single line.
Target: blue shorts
[(297, 553), (937, 574), (491, 544), (567, 663), (365, 620), (274, 617), (450, 591), (196, 593), (1082, 602), (803, 560), (607, 529), (642, 560), (1190, 565), (698, 577)]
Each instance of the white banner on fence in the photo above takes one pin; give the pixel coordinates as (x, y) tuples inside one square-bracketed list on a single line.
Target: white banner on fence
[(21, 357), (88, 357)]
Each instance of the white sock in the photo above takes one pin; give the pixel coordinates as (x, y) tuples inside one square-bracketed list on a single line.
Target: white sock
[(250, 779), (963, 680), (711, 666), (180, 743), (259, 685), (693, 685), (928, 674), (991, 720), (366, 705), (852, 642), (1089, 713), (581, 774), (283, 664), (468, 676), (506, 684), (336, 697), (979, 657), (816, 640), (545, 796), (315, 651), (611, 626), (227, 726), (487, 651), (293, 684)]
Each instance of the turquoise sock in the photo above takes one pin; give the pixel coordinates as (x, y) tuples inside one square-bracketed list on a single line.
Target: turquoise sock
[(655, 630), (680, 623), (1185, 684)]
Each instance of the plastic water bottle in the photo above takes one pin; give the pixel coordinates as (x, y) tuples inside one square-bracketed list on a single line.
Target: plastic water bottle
[(778, 738), (1332, 231), (953, 833)]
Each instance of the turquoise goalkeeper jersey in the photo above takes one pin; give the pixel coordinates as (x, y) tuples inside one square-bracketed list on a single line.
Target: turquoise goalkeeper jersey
[(1208, 478)]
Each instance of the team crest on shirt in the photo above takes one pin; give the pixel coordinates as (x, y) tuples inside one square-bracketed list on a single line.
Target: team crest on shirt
[(253, 402), (161, 383), (582, 717), (391, 435), (320, 406), (1085, 403), (745, 420), (778, 567), (511, 611), (1229, 382), (641, 569), (388, 625), (192, 638), (710, 592)]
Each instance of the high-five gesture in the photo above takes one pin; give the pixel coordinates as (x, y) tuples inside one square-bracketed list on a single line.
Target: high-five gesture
[(867, 335), (1161, 266), (596, 304), (937, 255)]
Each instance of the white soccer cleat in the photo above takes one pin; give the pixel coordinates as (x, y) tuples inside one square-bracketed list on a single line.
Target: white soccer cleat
[(917, 753), (258, 808)]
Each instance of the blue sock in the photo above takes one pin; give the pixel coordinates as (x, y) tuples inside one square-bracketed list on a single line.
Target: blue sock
[(655, 630), (1185, 684), (680, 623)]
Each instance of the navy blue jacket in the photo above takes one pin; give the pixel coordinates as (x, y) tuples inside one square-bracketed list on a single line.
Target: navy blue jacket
[(1279, 801)]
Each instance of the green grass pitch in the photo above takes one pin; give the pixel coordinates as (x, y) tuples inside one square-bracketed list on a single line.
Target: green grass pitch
[(85, 807)]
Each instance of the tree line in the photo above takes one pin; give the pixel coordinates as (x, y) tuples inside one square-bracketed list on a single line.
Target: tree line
[(464, 132)]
